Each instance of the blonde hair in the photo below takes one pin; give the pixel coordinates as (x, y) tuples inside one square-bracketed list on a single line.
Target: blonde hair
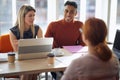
[(95, 30), (20, 22)]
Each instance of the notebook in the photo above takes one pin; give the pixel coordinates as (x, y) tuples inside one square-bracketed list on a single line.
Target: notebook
[(73, 49), (116, 44), (34, 48)]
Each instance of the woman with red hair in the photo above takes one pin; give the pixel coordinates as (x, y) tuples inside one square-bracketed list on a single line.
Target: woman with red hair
[(100, 63)]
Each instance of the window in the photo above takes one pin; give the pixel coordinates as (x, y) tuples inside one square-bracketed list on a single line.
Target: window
[(5, 16), (118, 13), (90, 8), (60, 9), (51, 10), (19, 3), (41, 14), (114, 19)]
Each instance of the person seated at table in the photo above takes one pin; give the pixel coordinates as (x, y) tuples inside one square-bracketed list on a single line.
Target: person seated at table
[(66, 31), (100, 63), (24, 29)]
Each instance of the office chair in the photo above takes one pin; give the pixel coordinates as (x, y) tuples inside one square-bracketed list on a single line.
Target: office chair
[(5, 46)]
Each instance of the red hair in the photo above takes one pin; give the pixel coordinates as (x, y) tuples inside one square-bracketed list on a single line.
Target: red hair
[(95, 30)]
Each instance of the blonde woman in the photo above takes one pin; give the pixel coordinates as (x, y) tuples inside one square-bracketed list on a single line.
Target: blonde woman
[(24, 29)]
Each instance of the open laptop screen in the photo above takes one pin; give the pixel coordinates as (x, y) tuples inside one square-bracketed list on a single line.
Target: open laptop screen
[(116, 44), (34, 48)]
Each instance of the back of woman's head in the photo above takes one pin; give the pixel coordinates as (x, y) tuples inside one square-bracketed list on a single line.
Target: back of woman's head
[(95, 31)]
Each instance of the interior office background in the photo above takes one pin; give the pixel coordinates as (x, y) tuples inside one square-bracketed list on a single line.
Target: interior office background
[(51, 10)]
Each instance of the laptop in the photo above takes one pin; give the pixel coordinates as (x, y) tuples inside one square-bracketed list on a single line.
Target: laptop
[(116, 44), (34, 48)]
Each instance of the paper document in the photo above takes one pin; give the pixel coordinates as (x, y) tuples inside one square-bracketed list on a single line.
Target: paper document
[(3, 57), (66, 60)]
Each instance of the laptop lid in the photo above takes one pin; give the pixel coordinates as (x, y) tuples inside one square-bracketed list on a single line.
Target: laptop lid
[(116, 44), (34, 48)]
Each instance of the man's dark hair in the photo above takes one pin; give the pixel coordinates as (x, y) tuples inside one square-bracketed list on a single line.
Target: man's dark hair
[(71, 3)]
